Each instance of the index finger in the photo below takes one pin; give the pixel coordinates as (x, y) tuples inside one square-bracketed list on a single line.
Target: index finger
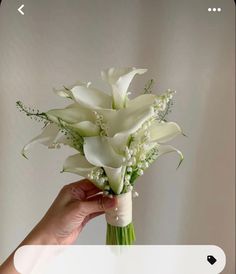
[(88, 187)]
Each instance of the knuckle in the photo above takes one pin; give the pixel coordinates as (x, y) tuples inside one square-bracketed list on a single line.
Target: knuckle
[(65, 188)]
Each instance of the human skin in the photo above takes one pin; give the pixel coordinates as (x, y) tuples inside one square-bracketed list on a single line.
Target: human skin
[(75, 205)]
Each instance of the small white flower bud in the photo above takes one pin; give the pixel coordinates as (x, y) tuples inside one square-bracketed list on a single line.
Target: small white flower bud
[(103, 126), (142, 157), (127, 177), (126, 182), (128, 156), (145, 165), (135, 194), (129, 169), (133, 160), (139, 165), (140, 172), (130, 188)]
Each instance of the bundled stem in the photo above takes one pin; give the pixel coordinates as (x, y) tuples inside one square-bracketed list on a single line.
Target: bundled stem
[(120, 235)]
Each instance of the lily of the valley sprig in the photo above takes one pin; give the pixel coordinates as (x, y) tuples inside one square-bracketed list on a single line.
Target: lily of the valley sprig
[(115, 138)]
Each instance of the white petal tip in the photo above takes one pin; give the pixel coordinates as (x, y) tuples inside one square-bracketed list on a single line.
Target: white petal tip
[(180, 162), (23, 154)]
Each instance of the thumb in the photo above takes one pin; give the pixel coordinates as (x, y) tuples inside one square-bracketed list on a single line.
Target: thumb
[(99, 204)]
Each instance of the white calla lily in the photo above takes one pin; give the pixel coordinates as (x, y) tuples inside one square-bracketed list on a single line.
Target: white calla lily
[(164, 131), (91, 97), (119, 141), (142, 101), (127, 119), (74, 113), (164, 149), (116, 178), (86, 95), (85, 128), (99, 152), (78, 164), (47, 138), (119, 79), (66, 91)]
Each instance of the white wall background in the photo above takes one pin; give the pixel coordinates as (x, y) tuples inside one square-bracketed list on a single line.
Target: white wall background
[(184, 47)]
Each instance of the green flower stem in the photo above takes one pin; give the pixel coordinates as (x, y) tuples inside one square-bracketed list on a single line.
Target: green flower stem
[(120, 235)]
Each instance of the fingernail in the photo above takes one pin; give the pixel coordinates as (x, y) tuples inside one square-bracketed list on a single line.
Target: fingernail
[(109, 202)]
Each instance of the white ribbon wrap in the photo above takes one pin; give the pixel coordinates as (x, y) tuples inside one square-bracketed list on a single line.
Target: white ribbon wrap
[(121, 215)]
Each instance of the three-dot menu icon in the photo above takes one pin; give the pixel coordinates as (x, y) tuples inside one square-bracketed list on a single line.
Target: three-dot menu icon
[(214, 9)]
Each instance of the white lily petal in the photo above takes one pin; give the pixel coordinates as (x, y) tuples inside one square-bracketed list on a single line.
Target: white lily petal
[(63, 139), (115, 178), (85, 128), (164, 131), (91, 97), (46, 138), (78, 164), (163, 149), (74, 113), (63, 93), (119, 141), (142, 100), (119, 79), (128, 119), (66, 91), (99, 152)]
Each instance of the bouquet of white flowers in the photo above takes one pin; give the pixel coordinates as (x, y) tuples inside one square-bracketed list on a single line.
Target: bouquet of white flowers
[(115, 138)]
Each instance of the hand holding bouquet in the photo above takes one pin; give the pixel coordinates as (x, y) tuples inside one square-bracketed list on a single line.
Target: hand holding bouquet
[(115, 139)]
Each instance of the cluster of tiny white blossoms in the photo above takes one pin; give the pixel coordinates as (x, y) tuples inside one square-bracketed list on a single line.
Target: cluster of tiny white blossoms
[(135, 159), (100, 123), (163, 104)]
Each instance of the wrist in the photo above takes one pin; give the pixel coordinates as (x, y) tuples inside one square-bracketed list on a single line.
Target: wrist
[(40, 236)]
